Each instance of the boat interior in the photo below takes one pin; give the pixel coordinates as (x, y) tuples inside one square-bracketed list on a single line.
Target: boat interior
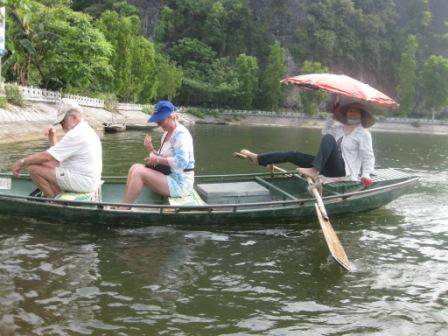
[(216, 189)]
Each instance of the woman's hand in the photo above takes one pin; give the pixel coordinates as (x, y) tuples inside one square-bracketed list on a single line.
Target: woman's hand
[(148, 143), (367, 182), (152, 159)]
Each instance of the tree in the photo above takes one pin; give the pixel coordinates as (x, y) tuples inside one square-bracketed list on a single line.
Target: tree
[(169, 79), (408, 76), (271, 93), (195, 57), (55, 47), (247, 72), (312, 99), (133, 58), (142, 81), (435, 85)]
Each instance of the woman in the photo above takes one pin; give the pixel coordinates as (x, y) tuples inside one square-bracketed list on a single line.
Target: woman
[(170, 170), (345, 149)]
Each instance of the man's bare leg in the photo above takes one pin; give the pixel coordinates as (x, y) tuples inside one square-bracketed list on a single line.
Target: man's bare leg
[(45, 178)]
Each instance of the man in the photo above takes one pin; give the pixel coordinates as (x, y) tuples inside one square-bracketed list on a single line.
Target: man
[(72, 164)]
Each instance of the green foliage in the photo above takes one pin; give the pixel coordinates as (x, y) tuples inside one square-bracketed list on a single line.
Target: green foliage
[(312, 99), (96, 8), (435, 84), (3, 101), (168, 79), (207, 42), (148, 109), (247, 72), (271, 94), (222, 25), (197, 93), (14, 95), (408, 76), (110, 102), (195, 57), (55, 47), (197, 112)]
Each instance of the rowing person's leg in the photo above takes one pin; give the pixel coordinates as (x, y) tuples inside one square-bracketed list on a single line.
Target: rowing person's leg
[(44, 177), (140, 176), (297, 158), (328, 160)]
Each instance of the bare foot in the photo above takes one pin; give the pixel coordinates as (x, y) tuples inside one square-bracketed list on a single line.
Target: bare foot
[(309, 172), (249, 155)]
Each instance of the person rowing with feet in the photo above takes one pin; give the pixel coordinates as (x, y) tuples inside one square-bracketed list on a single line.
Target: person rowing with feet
[(345, 149)]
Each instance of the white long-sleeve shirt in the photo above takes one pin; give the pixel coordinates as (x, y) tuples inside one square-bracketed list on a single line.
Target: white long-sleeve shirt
[(356, 148)]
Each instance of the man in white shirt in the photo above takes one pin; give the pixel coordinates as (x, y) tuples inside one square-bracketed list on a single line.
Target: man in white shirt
[(72, 164)]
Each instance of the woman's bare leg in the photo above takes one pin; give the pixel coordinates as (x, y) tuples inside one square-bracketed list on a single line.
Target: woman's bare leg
[(139, 176)]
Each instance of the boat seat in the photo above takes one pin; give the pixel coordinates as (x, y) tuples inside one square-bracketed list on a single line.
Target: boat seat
[(379, 176), (191, 200), (233, 192), (94, 196)]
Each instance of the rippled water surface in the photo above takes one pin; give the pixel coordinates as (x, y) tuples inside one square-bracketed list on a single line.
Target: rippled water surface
[(273, 280)]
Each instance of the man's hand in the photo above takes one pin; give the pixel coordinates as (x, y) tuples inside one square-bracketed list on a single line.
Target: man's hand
[(51, 134), (16, 167)]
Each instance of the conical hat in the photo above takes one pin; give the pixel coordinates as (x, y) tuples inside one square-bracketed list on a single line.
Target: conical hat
[(367, 119)]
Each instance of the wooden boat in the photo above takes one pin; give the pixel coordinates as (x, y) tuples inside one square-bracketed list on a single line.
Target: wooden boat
[(262, 198), (114, 127)]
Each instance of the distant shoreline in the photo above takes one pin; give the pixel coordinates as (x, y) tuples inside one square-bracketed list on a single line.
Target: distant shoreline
[(389, 127), (32, 121)]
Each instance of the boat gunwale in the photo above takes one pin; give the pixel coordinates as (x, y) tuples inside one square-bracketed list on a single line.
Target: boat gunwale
[(241, 207)]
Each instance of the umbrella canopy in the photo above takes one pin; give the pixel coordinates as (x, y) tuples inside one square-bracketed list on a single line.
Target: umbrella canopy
[(342, 85)]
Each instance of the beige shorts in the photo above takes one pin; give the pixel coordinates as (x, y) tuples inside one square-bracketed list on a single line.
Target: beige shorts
[(69, 181)]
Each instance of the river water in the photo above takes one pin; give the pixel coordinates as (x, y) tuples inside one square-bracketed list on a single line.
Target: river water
[(276, 280)]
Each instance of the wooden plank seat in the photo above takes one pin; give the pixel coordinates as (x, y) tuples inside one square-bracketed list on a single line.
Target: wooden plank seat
[(191, 200), (379, 176)]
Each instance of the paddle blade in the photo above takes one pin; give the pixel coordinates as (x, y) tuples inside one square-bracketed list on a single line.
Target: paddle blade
[(333, 243)]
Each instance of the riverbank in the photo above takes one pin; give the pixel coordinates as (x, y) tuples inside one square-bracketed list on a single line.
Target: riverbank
[(28, 123), (397, 127)]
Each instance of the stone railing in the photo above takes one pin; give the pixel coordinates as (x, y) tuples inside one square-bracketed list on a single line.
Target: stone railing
[(129, 107), (40, 95), (86, 101), (36, 94), (30, 93), (264, 113)]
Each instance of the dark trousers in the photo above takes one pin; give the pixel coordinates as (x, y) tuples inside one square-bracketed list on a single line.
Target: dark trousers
[(328, 160)]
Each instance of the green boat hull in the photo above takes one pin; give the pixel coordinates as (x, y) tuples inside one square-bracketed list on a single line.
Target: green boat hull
[(285, 201)]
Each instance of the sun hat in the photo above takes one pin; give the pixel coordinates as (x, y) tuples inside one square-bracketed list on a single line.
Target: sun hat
[(66, 105), (162, 110), (367, 119)]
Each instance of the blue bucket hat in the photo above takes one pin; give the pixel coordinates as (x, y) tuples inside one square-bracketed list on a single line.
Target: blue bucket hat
[(162, 110)]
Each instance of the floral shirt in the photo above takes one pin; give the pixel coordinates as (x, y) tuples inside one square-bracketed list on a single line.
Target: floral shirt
[(179, 152)]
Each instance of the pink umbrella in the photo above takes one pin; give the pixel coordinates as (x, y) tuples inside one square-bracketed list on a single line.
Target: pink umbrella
[(342, 85)]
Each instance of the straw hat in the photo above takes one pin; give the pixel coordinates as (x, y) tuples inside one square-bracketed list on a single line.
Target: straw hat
[(367, 119)]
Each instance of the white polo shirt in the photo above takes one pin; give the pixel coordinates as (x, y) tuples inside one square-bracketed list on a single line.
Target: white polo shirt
[(80, 152)]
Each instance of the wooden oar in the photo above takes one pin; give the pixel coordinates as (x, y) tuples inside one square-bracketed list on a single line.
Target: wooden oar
[(332, 240)]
